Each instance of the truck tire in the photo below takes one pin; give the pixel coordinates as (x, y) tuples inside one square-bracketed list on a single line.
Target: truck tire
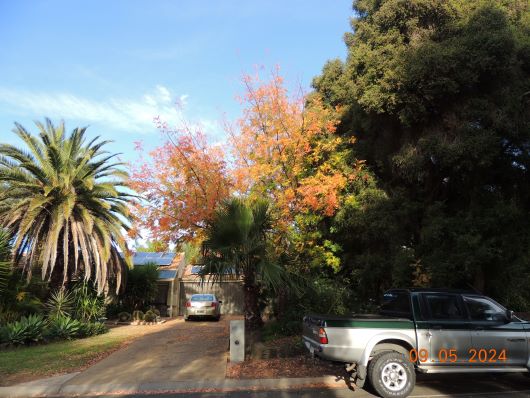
[(391, 375)]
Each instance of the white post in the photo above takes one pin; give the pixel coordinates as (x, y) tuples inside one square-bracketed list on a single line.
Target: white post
[(237, 341)]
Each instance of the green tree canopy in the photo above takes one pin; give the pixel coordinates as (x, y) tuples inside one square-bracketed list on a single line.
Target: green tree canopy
[(437, 93)]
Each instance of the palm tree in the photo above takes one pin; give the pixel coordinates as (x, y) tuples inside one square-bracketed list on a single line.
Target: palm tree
[(62, 201), (5, 260), (237, 241)]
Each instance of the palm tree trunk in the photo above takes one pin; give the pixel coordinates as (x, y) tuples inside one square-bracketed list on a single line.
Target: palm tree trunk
[(251, 295)]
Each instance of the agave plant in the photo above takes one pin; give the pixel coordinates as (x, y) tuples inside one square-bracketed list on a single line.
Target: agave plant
[(64, 328), (29, 329), (62, 199), (60, 304)]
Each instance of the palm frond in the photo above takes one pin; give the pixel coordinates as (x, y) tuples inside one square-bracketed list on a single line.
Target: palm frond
[(63, 202)]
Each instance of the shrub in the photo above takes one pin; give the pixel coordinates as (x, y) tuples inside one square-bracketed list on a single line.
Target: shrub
[(87, 329), (3, 334), (275, 329), (100, 328), (152, 308), (142, 286), (89, 306), (60, 304), (150, 316), (124, 316), (64, 328), (27, 330), (113, 309), (137, 315)]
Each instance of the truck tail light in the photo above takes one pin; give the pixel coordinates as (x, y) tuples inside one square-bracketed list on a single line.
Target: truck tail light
[(323, 337), (214, 304), (188, 304)]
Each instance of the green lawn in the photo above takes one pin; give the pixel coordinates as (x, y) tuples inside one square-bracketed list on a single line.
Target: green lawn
[(28, 363)]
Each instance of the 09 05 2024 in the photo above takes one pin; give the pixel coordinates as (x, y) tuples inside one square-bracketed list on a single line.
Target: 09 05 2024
[(451, 355)]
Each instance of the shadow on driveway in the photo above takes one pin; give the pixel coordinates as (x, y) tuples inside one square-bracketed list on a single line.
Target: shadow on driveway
[(181, 351)]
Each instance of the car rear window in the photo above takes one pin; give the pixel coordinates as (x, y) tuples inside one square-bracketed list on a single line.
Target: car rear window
[(444, 306), (396, 304), (202, 297)]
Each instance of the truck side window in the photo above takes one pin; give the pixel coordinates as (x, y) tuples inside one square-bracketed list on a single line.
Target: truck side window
[(444, 306), (396, 304), (482, 309)]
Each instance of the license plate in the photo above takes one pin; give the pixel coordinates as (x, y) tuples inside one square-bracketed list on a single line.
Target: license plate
[(200, 312)]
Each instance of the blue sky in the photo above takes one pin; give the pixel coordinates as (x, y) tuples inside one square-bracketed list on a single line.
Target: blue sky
[(114, 65)]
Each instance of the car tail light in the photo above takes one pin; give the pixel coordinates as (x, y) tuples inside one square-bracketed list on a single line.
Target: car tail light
[(214, 304), (322, 336), (188, 304)]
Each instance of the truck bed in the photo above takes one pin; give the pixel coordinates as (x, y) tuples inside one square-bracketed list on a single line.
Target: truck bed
[(348, 338), (354, 320)]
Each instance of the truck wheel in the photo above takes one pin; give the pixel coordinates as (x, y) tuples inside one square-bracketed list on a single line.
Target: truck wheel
[(391, 375)]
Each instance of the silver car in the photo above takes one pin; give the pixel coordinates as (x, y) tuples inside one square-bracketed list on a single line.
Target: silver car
[(203, 305)]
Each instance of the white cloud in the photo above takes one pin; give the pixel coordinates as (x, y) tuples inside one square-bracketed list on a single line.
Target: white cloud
[(119, 113)]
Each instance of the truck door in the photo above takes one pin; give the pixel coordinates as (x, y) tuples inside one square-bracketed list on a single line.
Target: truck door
[(446, 329), (495, 340)]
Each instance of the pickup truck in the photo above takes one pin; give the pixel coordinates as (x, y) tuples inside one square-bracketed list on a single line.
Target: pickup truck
[(421, 330)]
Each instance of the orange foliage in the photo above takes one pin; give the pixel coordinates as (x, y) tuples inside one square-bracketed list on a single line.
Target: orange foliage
[(285, 148), (182, 184)]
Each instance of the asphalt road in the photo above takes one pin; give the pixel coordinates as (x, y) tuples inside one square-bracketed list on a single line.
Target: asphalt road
[(462, 386)]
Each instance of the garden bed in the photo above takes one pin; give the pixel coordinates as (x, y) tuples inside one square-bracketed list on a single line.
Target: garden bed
[(282, 357)]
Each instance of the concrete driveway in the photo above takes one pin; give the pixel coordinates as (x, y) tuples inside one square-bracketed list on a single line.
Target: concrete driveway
[(182, 351)]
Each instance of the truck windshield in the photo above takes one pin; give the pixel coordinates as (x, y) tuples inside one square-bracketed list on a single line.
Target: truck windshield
[(396, 304)]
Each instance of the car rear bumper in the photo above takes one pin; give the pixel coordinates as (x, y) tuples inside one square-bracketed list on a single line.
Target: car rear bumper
[(201, 311), (329, 352)]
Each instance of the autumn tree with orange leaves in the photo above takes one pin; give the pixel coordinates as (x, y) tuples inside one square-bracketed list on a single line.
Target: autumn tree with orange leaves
[(283, 148), (182, 184), (286, 149)]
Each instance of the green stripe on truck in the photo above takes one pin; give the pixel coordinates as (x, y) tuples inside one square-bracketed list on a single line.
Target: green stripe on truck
[(340, 323)]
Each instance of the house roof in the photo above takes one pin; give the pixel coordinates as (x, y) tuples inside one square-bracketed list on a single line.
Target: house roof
[(190, 272), (168, 262), (167, 274), (158, 258)]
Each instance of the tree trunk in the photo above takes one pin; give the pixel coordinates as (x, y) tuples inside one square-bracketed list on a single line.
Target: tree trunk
[(282, 304), (252, 311)]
